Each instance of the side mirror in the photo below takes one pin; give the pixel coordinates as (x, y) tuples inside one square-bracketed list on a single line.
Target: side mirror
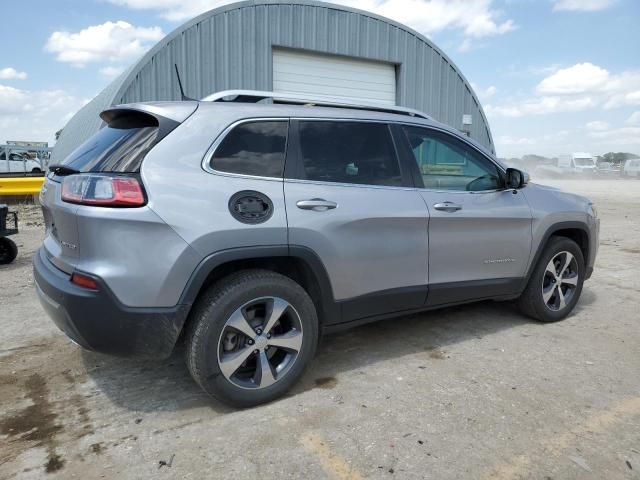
[(515, 178)]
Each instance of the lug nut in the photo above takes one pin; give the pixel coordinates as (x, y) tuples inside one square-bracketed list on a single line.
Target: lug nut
[(268, 335), (255, 351), (258, 331), (250, 342)]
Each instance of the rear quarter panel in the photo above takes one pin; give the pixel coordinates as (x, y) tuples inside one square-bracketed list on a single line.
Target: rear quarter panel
[(194, 202)]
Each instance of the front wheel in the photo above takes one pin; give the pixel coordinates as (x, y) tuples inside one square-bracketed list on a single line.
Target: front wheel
[(556, 282), (8, 250), (251, 337)]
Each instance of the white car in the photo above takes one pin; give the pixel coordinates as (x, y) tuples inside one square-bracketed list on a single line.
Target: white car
[(631, 168), (18, 163)]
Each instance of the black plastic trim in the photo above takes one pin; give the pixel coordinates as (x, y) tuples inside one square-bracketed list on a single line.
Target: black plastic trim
[(209, 263), (96, 320), (469, 291), (393, 300), (550, 231)]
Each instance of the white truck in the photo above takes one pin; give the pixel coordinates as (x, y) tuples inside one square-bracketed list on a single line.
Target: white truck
[(19, 163), (578, 163)]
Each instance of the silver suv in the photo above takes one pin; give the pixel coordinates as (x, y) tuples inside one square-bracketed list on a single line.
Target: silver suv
[(249, 229)]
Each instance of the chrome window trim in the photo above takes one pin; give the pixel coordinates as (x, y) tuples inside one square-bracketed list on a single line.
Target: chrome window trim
[(208, 156)]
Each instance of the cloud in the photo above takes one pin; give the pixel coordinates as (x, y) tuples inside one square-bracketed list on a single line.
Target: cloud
[(35, 114), (579, 87), (617, 137), (173, 10), (484, 93), (507, 140), (597, 126), (10, 73), (541, 106), (475, 18), (110, 41), (580, 78), (582, 5), (634, 119), (111, 71)]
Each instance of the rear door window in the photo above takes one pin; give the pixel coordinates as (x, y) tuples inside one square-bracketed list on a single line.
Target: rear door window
[(349, 152), (253, 148)]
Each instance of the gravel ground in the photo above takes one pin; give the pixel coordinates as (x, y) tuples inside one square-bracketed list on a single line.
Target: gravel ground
[(468, 392)]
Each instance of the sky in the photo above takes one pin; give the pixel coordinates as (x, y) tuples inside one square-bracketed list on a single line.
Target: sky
[(553, 76)]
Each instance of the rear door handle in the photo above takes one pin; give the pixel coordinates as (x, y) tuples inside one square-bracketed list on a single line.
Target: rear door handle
[(447, 207), (316, 204)]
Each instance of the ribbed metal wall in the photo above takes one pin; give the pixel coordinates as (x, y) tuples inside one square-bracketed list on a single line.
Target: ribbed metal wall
[(231, 47)]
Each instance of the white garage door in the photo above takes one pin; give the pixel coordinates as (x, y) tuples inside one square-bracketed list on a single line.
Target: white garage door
[(336, 78)]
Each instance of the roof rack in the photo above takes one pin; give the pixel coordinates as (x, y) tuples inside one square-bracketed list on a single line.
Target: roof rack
[(255, 96)]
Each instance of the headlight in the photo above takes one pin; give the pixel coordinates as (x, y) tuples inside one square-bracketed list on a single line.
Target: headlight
[(594, 210)]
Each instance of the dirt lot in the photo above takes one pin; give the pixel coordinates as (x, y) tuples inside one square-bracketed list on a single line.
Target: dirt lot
[(468, 392)]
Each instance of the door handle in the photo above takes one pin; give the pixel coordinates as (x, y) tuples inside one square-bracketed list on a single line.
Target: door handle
[(316, 204), (447, 207)]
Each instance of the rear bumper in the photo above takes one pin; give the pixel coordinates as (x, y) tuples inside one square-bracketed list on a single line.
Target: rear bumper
[(97, 321)]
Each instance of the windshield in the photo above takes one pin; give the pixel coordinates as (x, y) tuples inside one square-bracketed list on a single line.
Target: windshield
[(584, 162)]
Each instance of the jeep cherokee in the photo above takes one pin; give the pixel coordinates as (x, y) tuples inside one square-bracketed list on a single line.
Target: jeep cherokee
[(249, 229)]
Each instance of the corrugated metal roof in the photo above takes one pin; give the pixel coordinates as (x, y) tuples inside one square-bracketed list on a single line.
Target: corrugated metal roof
[(231, 48)]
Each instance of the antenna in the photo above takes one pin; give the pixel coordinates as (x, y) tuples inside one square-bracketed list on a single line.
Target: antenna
[(182, 95)]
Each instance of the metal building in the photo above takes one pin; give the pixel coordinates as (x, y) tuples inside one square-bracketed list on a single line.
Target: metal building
[(298, 46)]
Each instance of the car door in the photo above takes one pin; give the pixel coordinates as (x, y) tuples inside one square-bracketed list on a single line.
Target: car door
[(349, 201), (479, 232)]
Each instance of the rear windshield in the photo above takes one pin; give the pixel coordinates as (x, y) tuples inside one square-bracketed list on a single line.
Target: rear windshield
[(118, 147)]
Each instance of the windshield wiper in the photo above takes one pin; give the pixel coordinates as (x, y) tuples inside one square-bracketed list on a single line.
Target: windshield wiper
[(62, 170)]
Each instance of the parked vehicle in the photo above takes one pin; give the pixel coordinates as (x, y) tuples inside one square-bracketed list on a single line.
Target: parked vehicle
[(578, 163), (631, 168), (251, 229), (607, 169), (18, 163)]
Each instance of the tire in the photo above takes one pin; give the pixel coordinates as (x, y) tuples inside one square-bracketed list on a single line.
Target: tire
[(8, 250), (36, 170), (220, 331), (540, 299)]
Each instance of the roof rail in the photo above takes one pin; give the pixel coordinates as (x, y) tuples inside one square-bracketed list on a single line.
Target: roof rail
[(255, 96)]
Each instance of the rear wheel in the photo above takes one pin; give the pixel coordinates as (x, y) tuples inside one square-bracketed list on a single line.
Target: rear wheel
[(556, 283), (8, 250), (251, 337)]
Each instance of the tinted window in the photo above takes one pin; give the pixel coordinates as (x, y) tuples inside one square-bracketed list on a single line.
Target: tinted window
[(255, 148), (447, 163), (120, 146), (349, 152)]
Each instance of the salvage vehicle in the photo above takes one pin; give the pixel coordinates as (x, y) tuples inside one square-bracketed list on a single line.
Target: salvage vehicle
[(248, 228), (18, 163)]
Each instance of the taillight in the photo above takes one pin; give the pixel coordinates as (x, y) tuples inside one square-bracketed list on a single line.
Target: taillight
[(103, 190), (84, 281)]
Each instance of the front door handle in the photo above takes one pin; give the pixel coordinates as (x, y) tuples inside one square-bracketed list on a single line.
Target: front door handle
[(316, 204), (447, 207)]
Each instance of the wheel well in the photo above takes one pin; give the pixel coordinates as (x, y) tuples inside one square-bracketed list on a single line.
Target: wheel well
[(577, 235), (295, 268)]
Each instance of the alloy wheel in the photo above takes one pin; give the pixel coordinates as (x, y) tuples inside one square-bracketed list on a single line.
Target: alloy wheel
[(260, 342), (560, 281)]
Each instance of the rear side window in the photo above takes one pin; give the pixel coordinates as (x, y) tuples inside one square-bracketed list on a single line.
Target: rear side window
[(349, 152), (253, 148), (120, 146)]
